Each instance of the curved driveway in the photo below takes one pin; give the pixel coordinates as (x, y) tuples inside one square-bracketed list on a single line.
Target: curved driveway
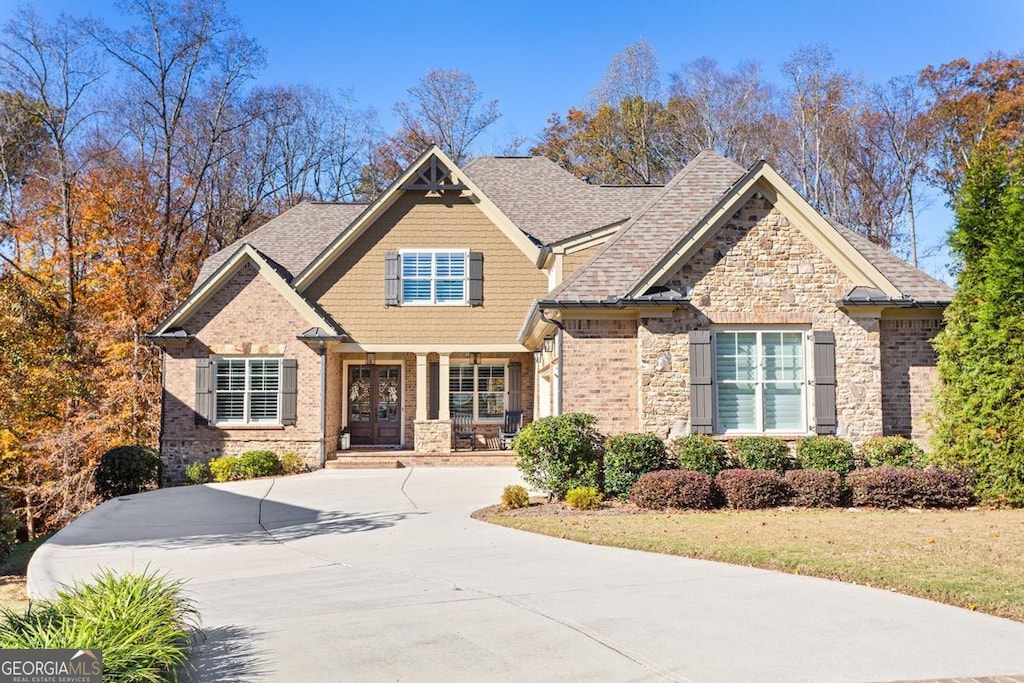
[(382, 575)]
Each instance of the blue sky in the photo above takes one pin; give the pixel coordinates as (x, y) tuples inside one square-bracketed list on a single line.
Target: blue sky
[(544, 57)]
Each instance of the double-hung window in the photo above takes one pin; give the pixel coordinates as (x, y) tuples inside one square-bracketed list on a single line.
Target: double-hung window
[(760, 381), (434, 277), (478, 390), (247, 390)]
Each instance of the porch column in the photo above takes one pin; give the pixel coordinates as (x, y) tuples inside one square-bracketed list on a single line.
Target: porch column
[(422, 381), (443, 410)]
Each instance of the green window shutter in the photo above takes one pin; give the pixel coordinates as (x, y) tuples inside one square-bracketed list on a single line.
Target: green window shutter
[(702, 415), (515, 386), (289, 390), (825, 382), (204, 391), (476, 278), (391, 280), (434, 395)]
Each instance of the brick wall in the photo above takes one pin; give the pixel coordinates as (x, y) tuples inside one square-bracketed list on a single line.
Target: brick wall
[(908, 376), (246, 317), (599, 362)]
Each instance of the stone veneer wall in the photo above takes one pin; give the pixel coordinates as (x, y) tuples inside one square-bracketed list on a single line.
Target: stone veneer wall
[(599, 362), (247, 317), (909, 376), (433, 436), (760, 270)]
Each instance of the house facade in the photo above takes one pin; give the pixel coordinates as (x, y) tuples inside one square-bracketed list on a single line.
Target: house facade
[(721, 303)]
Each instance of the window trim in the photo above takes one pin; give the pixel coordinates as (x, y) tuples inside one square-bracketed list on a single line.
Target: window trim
[(247, 392), (504, 362), (806, 395), (433, 277)]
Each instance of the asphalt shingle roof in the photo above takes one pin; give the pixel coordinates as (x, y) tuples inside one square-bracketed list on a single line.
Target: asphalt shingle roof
[(293, 239), (634, 249), (550, 204)]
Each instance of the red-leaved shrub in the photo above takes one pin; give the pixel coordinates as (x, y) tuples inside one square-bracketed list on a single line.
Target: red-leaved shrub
[(753, 489), (815, 488), (897, 487), (674, 489)]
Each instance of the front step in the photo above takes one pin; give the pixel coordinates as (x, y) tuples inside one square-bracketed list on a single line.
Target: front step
[(399, 459)]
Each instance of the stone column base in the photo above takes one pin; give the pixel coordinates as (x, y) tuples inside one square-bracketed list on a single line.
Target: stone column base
[(433, 436)]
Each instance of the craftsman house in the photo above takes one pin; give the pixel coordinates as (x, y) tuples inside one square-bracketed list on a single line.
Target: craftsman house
[(721, 303)]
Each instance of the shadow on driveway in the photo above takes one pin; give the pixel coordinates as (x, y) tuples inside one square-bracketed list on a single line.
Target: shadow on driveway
[(226, 654), (197, 517)]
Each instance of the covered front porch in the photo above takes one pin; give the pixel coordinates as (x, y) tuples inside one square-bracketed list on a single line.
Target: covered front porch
[(381, 402)]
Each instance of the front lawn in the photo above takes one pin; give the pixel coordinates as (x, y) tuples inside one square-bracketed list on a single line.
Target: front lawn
[(972, 559), (12, 575)]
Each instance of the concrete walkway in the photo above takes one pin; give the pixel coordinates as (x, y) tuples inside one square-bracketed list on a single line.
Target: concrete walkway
[(382, 576)]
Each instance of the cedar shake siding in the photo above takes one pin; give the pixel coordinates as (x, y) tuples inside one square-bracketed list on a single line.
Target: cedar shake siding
[(351, 290), (909, 376), (759, 270), (570, 262), (246, 317)]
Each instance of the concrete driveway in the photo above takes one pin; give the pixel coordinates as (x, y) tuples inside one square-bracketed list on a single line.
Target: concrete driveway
[(382, 575)]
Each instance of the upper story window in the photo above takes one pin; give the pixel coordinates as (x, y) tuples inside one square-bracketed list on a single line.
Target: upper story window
[(760, 381), (247, 390), (434, 277)]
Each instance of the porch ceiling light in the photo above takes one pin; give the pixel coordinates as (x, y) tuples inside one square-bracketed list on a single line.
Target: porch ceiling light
[(476, 358), (371, 359)]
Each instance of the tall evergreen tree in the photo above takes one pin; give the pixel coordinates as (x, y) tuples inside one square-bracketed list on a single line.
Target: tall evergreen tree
[(981, 349)]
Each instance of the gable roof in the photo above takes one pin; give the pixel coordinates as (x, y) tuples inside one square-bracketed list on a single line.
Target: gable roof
[(412, 178), (268, 269), (549, 203), (292, 239), (645, 238), (705, 194)]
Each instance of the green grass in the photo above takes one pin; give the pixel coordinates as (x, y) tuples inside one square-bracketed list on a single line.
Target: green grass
[(972, 559)]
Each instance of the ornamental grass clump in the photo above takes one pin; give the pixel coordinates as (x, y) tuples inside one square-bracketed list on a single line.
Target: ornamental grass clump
[(753, 489), (700, 453), (815, 488), (761, 453), (679, 489), (627, 456), (828, 453), (142, 623)]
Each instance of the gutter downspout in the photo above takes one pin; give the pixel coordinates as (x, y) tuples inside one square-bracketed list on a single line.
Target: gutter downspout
[(558, 366), (323, 403)]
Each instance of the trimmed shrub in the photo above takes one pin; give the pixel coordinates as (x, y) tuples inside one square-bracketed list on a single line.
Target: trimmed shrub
[(700, 453), (292, 463), (815, 488), (142, 623), (828, 453), (514, 497), (761, 453), (559, 453), (199, 473), (890, 451), (252, 464), (683, 489), (125, 470), (9, 524), (583, 498), (627, 456), (753, 489), (225, 468), (897, 487)]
